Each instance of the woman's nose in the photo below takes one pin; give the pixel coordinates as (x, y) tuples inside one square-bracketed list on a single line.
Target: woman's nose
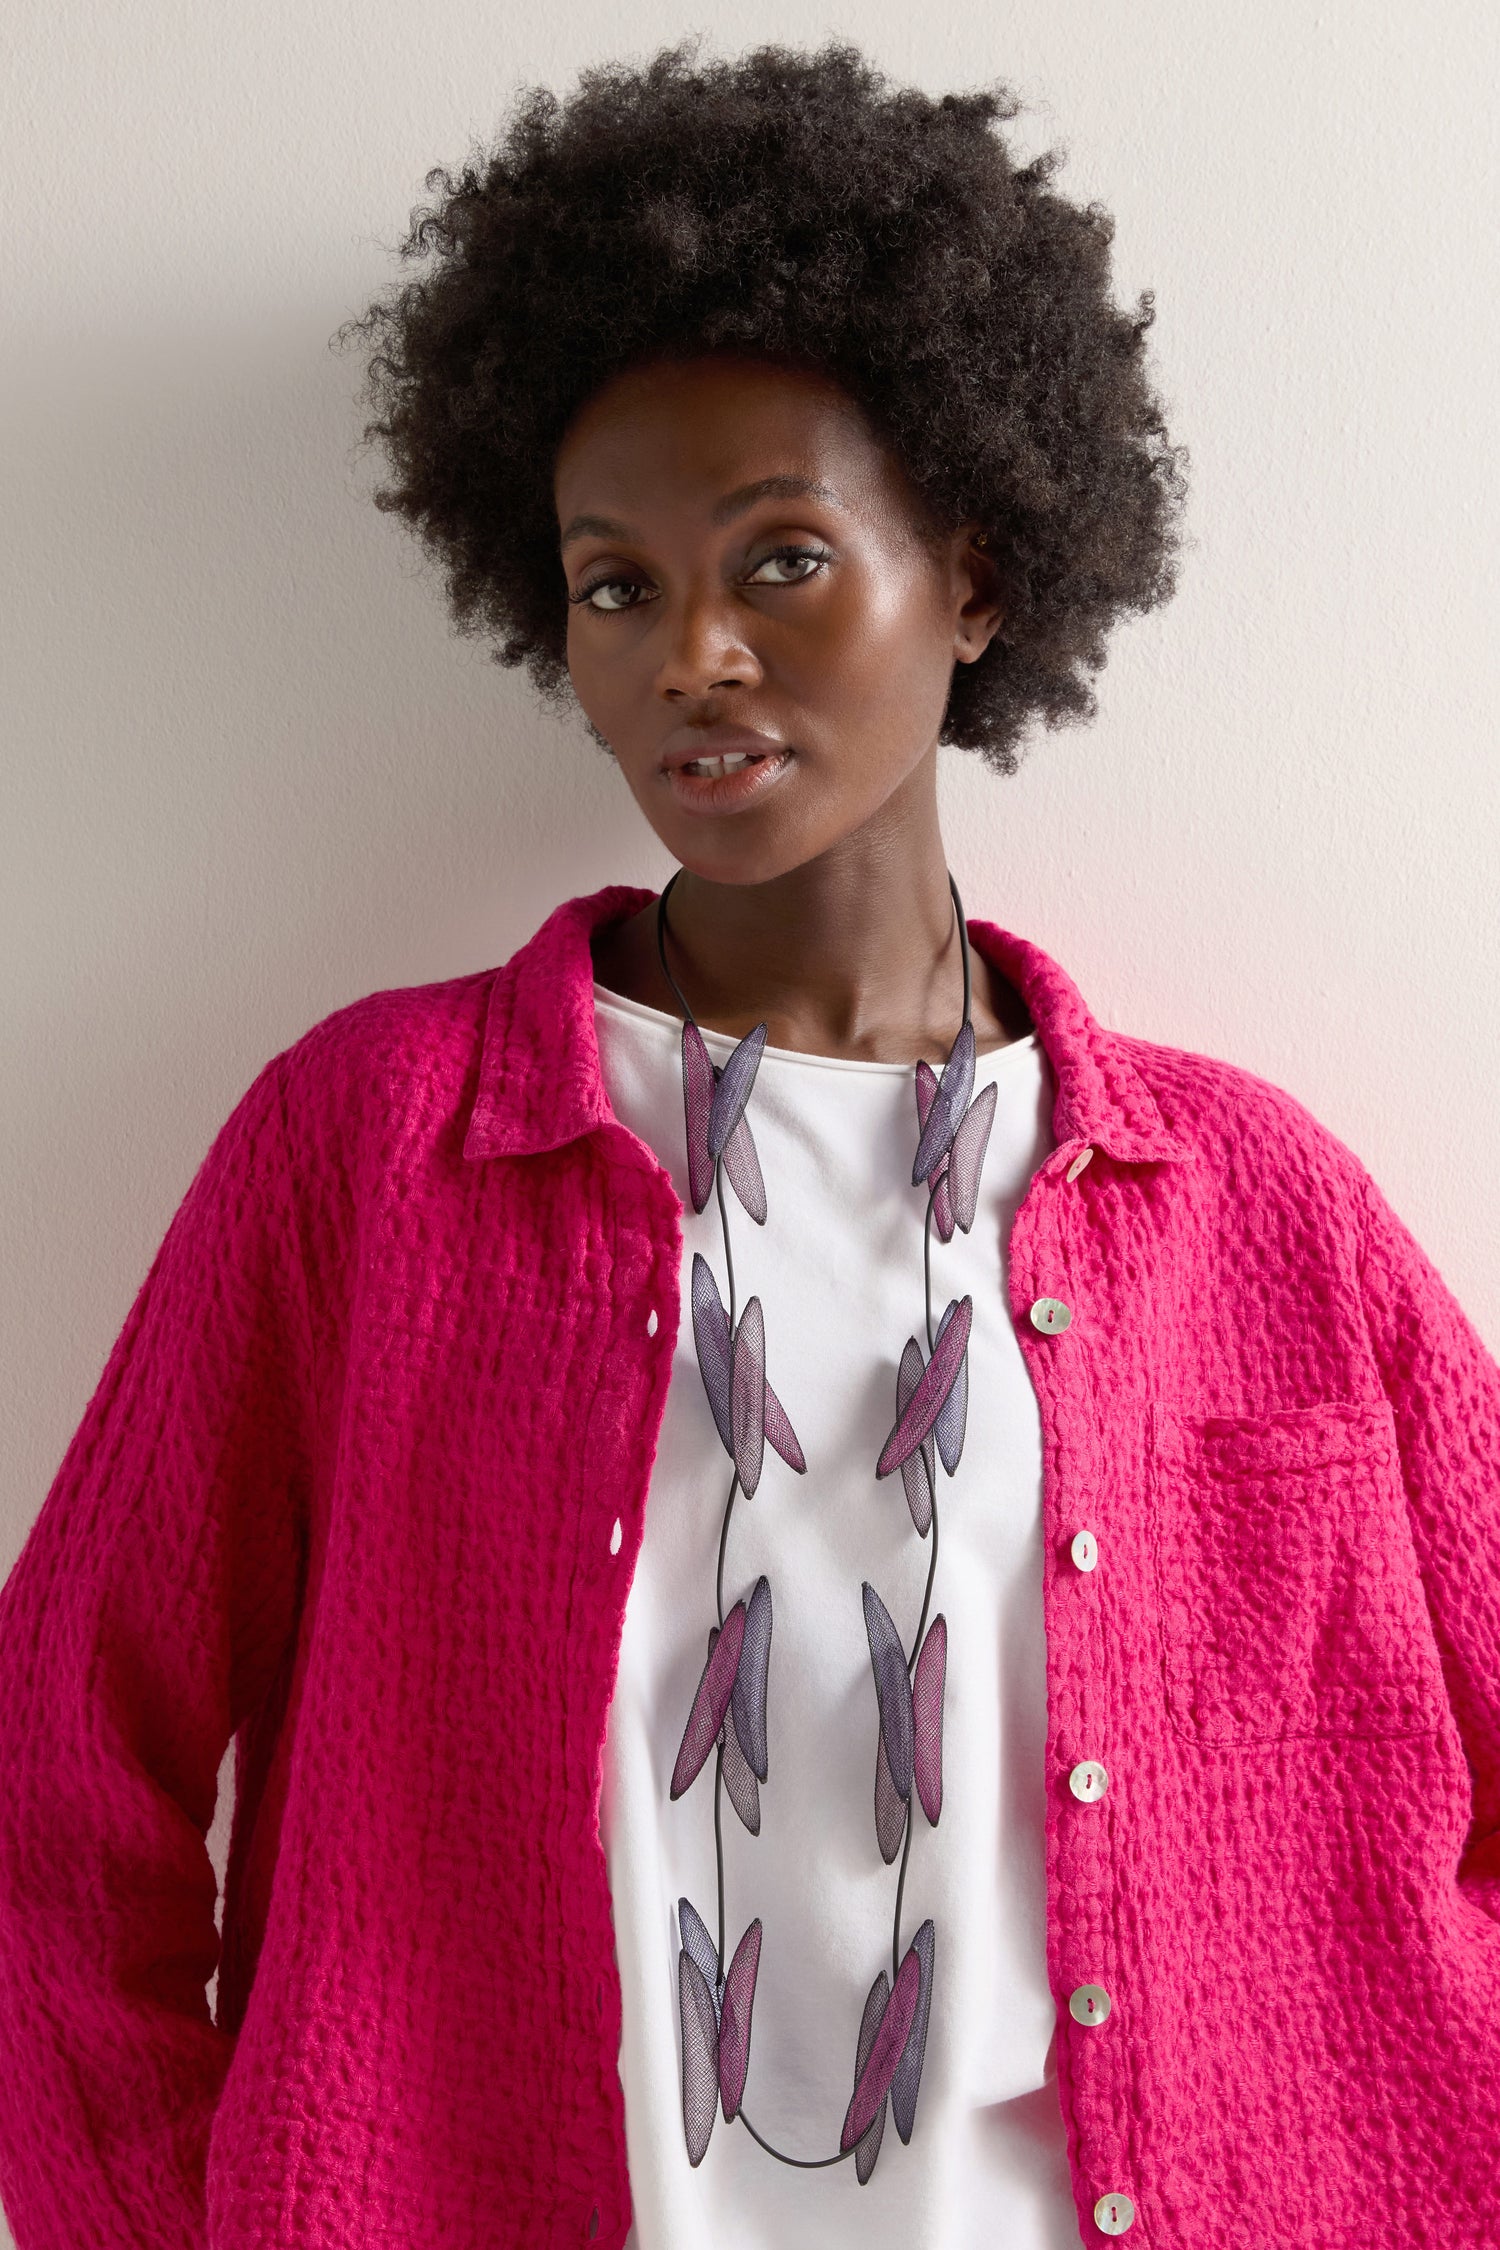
[(705, 646)]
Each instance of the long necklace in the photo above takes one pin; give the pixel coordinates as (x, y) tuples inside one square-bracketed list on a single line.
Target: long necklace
[(728, 1713)]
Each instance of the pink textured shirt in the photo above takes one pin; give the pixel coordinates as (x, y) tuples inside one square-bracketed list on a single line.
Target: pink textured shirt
[(345, 1493)]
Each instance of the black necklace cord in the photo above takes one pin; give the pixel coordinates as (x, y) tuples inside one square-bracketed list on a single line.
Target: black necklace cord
[(661, 949), (963, 940)]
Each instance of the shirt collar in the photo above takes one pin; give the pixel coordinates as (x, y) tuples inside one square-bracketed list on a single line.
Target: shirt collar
[(541, 1086)]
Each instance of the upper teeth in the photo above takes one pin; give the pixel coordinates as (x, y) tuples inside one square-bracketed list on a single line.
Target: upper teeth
[(713, 768)]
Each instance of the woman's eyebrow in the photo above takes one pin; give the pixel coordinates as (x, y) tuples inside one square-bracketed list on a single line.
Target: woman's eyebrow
[(733, 504), (597, 527)]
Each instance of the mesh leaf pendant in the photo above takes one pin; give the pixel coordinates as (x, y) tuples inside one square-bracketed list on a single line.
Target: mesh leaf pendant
[(931, 1392), (909, 1741), (733, 1683), (717, 1126), (892, 2047), (715, 2026), (712, 1701), (946, 1105), (715, 1364), (957, 1151)]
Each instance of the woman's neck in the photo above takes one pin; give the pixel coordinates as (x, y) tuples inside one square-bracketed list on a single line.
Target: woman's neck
[(856, 954)]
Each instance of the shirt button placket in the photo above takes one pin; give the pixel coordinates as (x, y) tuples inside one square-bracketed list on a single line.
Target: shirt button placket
[(1089, 2005)]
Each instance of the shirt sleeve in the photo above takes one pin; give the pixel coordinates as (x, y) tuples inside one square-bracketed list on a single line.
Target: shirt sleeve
[(147, 1615), (1444, 1387)]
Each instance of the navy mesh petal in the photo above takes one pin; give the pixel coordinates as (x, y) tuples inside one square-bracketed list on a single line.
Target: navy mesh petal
[(954, 1088), (892, 1688), (733, 1090), (953, 1414), (953, 1418), (697, 1942), (966, 1161), (734, 2020), (743, 1167), (711, 1339), (747, 1396), (698, 1094), (908, 2072), (916, 1471), (916, 1476), (748, 1703), (740, 1784), (867, 2148), (890, 1810), (873, 2082), (942, 1207), (928, 1675), (700, 2056), (908, 1374)]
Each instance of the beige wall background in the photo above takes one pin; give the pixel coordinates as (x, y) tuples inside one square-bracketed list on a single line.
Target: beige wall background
[(250, 774)]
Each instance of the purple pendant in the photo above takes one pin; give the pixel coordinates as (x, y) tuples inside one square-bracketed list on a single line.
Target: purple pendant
[(948, 1106), (711, 1701), (937, 1381)]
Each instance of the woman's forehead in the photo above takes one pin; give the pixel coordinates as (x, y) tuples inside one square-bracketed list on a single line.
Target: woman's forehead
[(705, 431)]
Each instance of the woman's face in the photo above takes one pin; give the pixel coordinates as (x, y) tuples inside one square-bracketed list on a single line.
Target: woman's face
[(756, 625)]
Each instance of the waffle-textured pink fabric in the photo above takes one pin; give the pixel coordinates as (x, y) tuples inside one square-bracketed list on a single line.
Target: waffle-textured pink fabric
[(345, 1492)]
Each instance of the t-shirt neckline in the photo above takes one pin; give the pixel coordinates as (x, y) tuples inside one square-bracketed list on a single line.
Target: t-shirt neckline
[(637, 1011)]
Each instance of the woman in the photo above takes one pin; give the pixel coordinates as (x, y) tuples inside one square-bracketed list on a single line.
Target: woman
[(793, 1534)]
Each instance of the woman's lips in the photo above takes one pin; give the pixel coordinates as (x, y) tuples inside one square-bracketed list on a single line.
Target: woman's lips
[(727, 781)]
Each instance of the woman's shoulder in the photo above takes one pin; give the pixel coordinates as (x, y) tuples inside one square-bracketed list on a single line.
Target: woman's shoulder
[(392, 1032), (1240, 1119), (382, 1073)]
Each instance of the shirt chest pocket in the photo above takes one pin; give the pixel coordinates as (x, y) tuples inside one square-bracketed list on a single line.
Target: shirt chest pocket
[(1290, 1599)]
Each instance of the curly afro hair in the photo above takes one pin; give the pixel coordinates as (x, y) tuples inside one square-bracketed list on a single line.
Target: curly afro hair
[(793, 206)]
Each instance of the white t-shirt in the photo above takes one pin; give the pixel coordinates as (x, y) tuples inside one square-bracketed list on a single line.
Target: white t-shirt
[(838, 1269)]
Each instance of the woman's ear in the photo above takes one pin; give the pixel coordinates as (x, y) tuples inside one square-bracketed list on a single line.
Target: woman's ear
[(980, 590)]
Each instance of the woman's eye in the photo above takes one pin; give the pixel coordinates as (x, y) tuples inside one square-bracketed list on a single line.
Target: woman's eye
[(607, 586), (788, 565), (814, 557)]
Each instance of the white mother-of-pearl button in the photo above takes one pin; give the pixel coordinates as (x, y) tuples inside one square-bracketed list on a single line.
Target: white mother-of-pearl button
[(615, 1537), (1088, 1781), (652, 1323), (1079, 1162), (1084, 1550), (1089, 2004), (1114, 2213), (1050, 1314)]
